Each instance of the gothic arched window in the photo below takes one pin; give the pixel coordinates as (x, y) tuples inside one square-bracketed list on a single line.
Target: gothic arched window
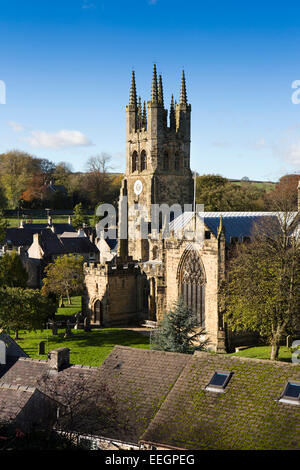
[(166, 161), (192, 284), (143, 160), (177, 161)]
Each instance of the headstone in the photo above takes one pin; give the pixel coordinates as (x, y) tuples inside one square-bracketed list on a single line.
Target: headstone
[(289, 341), (77, 317), (87, 324), (54, 328), (41, 348), (68, 332)]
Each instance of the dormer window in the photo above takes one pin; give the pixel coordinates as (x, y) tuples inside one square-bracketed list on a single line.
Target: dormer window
[(218, 381), (291, 393)]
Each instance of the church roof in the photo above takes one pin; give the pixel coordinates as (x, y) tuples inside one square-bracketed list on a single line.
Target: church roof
[(236, 224)]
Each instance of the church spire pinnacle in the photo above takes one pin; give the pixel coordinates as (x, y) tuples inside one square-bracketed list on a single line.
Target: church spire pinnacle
[(132, 97), (172, 114), (144, 118), (160, 91), (154, 95), (183, 98)]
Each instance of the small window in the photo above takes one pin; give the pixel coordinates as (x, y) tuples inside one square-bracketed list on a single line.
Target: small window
[(291, 393), (207, 235), (218, 381), (143, 161), (134, 161)]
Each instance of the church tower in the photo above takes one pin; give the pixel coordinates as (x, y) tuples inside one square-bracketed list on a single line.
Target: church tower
[(157, 157)]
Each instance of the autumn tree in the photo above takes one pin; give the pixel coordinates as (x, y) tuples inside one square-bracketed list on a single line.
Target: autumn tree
[(262, 292), (64, 277), (97, 178), (12, 271), (24, 309), (285, 195)]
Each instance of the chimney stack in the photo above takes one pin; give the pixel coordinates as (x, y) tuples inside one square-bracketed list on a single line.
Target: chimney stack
[(59, 359)]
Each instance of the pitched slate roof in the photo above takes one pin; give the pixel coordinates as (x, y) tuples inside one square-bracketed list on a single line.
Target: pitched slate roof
[(58, 228), (141, 380), (247, 416), (19, 236), (52, 245), (236, 224)]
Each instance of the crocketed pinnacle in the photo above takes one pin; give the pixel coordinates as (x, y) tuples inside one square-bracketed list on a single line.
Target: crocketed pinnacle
[(144, 118), (132, 97), (183, 99), (172, 114), (139, 114), (154, 94), (160, 91)]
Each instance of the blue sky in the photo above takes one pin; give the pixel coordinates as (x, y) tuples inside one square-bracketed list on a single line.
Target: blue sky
[(67, 68)]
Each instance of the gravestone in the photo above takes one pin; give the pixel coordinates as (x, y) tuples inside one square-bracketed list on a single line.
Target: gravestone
[(54, 328), (2, 352), (87, 324), (41, 348), (68, 332)]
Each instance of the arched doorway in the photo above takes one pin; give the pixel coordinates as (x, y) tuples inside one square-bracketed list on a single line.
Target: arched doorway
[(192, 283), (98, 314)]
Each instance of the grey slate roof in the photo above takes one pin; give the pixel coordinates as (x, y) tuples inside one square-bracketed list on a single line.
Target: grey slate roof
[(236, 224), (52, 245), (247, 416)]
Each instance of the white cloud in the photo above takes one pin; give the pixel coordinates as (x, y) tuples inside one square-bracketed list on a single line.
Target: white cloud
[(221, 144), (261, 143), (16, 126), (292, 153), (87, 5), (60, 139), (287, 148)]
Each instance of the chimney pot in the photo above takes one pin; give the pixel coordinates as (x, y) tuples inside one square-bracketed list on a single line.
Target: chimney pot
[(59, 359)]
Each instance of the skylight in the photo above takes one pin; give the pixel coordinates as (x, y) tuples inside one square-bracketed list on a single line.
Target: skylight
[(218, 381), (291, 393)]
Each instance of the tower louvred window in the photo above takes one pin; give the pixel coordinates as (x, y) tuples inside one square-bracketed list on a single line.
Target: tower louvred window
[(134, 161), (143, 160)]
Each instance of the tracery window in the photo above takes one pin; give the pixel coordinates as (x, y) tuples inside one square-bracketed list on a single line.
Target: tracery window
[(192, 284)]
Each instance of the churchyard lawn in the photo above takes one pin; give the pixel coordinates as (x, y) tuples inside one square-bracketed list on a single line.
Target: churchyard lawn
[(264, 352), (89, 349)]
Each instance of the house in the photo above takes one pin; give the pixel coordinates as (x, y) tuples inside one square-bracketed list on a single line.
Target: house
[(161, 400)]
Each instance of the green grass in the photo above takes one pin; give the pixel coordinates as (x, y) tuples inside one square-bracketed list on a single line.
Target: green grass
[(69, 310), (63, 219), (264, 352), (88, 349)]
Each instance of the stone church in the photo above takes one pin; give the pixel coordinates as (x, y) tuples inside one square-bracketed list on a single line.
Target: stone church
[(152, 270)]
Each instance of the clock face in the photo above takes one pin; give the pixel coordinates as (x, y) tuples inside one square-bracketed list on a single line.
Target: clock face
[(138, 187)]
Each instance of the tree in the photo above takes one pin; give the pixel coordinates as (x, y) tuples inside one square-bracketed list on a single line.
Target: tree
[(79, 218), (3, 226), (97, 178), (219, 194), (64, 277), (262, 291), (285, 195), (179, 331), (24, 309), (12, 271)]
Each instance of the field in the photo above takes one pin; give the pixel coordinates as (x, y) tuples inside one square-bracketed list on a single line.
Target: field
[(62, 219), (88, 349)]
